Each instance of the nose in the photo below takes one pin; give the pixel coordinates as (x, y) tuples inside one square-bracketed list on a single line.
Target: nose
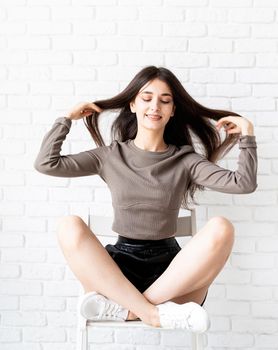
[(155, 106)]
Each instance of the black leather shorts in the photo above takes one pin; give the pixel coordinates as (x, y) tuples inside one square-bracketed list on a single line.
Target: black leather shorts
[(143, 261)]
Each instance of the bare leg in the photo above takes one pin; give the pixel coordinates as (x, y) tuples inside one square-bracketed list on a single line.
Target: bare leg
[(194, 268), (97, 271)]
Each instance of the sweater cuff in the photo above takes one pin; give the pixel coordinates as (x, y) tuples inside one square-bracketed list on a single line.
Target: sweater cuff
[(65, 121), (246, 141)]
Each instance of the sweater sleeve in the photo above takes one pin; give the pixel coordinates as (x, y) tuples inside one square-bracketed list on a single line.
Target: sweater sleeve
[(210, 175), (50, 162)]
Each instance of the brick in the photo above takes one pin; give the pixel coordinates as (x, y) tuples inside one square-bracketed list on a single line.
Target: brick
[(233, 276), (228, 308), (234, 59), (267, 119), (33, 43), (9, 178), (244, 245), (116, 13), (251, 103), (11, 240), (238, 340), (14, 88), (246, 261), (136, 28), (45, 334), (47, 88), (42, 272), (231, 3), (231, 90), (28, 13), (257, 75), (265, 213), (12, 28), (267, 245), (210, 75), (210, 45), (46, 209), (48, 58), (186, 60), (9, 271), (62, 13), (8, 302), (59, 346), (265, 277), (144, 336), (251, 15), (25, 194), (20, 346), (28, 102), (269, 150), (62, 319), (173, 338), (29, 303), (220, 324), (11, 209), (23, 255), (101, 335), (34, 73), (267, 309), (208, 15), (166, 44), (10, 335), (248, 293), (13, 318), (267, 340), (261, 197), (70, 195), (42, 240), (63, 288), (232, 213), (267, 182)]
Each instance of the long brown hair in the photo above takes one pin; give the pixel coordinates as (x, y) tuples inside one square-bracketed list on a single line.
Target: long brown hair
[(191, 119)]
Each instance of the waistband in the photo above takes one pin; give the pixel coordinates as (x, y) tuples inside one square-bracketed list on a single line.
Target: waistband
[(167, 242)]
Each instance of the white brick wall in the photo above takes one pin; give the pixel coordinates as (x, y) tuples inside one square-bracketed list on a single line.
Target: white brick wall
[(57, 53)]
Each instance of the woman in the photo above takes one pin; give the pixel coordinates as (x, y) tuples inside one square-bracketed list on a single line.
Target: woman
[(152, 169)]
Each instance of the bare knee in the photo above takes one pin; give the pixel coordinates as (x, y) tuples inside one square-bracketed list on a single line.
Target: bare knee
[(71, 231), (222, 231)]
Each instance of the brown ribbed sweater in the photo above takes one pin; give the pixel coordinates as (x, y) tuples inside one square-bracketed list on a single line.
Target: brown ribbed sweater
[(146, 186)]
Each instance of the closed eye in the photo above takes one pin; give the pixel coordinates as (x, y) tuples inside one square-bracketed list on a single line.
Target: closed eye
[(161, 101)]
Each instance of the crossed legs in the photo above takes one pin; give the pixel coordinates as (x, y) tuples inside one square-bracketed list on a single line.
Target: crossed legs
[(187, 278)]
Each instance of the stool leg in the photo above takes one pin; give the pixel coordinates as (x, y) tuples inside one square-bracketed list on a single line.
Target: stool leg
[(82, 336), (197, 341)]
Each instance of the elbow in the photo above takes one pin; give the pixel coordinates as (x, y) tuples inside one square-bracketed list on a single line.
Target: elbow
[(250, 188), (42, 168), (39, 167)]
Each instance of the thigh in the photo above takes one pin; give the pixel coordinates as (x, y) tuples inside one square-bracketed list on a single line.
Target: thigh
[(199, 296)]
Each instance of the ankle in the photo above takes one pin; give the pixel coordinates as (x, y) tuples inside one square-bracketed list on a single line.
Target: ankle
[(154, 317), (131, 316)]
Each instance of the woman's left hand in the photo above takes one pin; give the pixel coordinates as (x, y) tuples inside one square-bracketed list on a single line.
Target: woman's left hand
[(234, 125)]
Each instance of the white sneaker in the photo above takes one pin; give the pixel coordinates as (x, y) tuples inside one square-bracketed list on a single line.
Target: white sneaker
[(97, 307), (189, 316)]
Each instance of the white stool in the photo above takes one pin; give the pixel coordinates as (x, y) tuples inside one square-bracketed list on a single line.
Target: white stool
[(101, 226)]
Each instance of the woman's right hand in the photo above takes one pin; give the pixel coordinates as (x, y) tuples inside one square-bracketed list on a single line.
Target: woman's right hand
[(82, 110)]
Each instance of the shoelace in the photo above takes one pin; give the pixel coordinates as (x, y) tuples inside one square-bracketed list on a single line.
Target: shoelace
[(110, 310), (181, 322)]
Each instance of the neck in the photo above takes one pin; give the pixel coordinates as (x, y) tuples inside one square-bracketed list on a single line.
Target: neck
[(156, 144)]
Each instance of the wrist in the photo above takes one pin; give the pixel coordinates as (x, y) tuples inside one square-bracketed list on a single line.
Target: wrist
[(248, 131)]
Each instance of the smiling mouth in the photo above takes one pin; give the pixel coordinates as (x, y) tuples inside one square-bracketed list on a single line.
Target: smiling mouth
[(153, 116)]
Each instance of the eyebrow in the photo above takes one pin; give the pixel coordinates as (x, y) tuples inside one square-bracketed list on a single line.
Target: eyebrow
[(149, 92)]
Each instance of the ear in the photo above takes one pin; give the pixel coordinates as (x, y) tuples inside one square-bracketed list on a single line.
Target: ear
[(132, 108), (173, 111)]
